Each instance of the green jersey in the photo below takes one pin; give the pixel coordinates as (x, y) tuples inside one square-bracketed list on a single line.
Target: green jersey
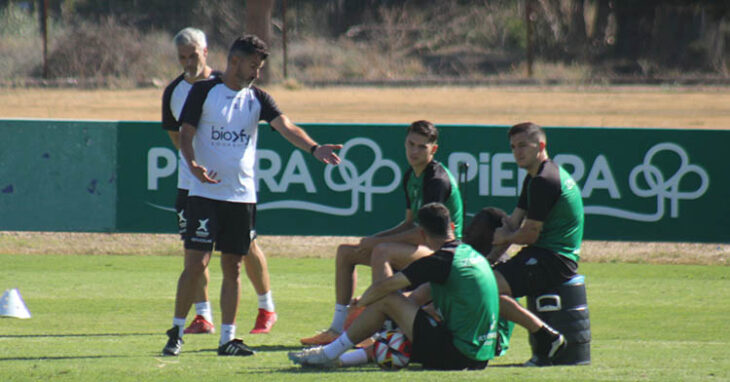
[(435, 184), (465, 293), (553, 198)]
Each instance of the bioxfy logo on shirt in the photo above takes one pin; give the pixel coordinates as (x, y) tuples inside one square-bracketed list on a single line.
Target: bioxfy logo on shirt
[(222, 137)]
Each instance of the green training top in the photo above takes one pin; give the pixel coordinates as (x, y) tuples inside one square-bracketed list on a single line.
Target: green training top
[(465, 293), (554, 198), (436, 184)]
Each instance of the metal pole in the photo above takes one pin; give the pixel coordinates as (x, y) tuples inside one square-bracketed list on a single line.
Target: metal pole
[(528, 24), (283, 35), (44, 35), (463, 179)]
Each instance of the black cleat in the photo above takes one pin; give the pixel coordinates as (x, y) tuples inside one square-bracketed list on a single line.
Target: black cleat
[(557, 346), (174, 342), (550, 344), (235, 347)]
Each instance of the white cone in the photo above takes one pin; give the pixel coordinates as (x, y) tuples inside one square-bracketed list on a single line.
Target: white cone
[(12, 305)]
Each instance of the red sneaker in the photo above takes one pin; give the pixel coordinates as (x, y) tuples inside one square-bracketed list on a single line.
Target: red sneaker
[(200, 326), (264, 321)]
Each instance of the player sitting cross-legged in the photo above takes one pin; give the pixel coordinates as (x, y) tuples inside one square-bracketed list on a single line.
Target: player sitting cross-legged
[(466, 336)]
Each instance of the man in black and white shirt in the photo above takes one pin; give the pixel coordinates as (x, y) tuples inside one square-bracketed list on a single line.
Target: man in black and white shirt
[(218, 141), (192, 53)]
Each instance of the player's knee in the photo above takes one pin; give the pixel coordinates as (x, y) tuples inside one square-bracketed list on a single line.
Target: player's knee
[(392, 302), (344, 257), (380, 255), (231, 267), (349, 256), (195, 268)]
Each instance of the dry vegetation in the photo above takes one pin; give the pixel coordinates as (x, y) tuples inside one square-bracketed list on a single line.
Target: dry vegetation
[(704, 107), (601, 107), (65, 243), (550, 106)]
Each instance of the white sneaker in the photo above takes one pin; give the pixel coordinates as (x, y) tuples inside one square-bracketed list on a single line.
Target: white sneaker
[(313, 357)]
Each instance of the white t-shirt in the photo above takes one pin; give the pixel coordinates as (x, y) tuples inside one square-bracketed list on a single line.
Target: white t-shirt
[(226, 123), (173, 100)]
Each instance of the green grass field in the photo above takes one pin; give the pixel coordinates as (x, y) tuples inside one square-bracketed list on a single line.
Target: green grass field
[(103, 318)]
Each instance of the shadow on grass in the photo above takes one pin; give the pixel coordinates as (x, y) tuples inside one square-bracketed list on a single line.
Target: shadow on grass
[(506, 365), (78, 335), (277, 347), (257, 349), (60, 358), (315, 370)]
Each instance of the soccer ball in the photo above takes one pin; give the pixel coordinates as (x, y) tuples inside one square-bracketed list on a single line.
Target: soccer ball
[(392, 350)]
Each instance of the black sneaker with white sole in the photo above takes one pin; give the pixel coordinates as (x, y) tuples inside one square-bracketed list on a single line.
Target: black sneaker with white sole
[(235, 347), (550, 344), (174, 342)]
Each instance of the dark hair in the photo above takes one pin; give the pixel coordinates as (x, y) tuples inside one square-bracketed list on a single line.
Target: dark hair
[(533, 130), (425, 128), (434, 218), (249, 44), (480, 231)]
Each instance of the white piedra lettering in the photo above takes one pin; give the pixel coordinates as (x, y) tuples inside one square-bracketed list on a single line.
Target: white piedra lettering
[(346, 177), (161, 163), (296, 171), (495, 173), (646, 180)]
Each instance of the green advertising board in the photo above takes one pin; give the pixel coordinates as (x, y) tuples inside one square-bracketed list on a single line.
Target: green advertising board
[(57, 175), (637, 184)]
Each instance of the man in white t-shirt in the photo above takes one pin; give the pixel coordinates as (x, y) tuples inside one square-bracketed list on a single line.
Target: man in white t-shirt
[(218, 141), (192, 53)]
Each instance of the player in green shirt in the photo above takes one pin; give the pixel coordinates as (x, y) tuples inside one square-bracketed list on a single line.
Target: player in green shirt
[(425, 181), (548, 220), (464, 338)]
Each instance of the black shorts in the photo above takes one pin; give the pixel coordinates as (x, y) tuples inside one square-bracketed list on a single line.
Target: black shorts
[(181, 202), (231, 226), (434, 349), (536, 270)]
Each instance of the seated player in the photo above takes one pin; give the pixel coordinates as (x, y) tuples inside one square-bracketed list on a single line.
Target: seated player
[(424, 182), (548, 220), (465, 338), (480, 233)]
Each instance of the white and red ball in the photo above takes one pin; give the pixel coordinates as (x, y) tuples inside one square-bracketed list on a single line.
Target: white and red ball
[(392, 350)]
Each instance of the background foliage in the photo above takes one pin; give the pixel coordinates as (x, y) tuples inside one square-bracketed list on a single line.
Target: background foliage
[(379, 40)]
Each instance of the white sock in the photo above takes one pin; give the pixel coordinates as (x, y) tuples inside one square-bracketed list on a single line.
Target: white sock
[(338, 320), (355, 357), (180, 323), (203, 309), (339, 346), (228, 332), (266, 302)]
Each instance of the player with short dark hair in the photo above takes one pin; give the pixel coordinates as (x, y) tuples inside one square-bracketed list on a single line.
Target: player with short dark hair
[(218, 140), (465, 338), (548, 220), (192, 52), (425, 181)]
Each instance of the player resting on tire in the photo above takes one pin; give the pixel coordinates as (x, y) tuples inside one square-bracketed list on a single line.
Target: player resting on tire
[(548, 220)]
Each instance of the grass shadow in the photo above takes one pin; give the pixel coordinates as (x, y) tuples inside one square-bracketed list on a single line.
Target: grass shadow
[(60, 358), (77, 335)]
